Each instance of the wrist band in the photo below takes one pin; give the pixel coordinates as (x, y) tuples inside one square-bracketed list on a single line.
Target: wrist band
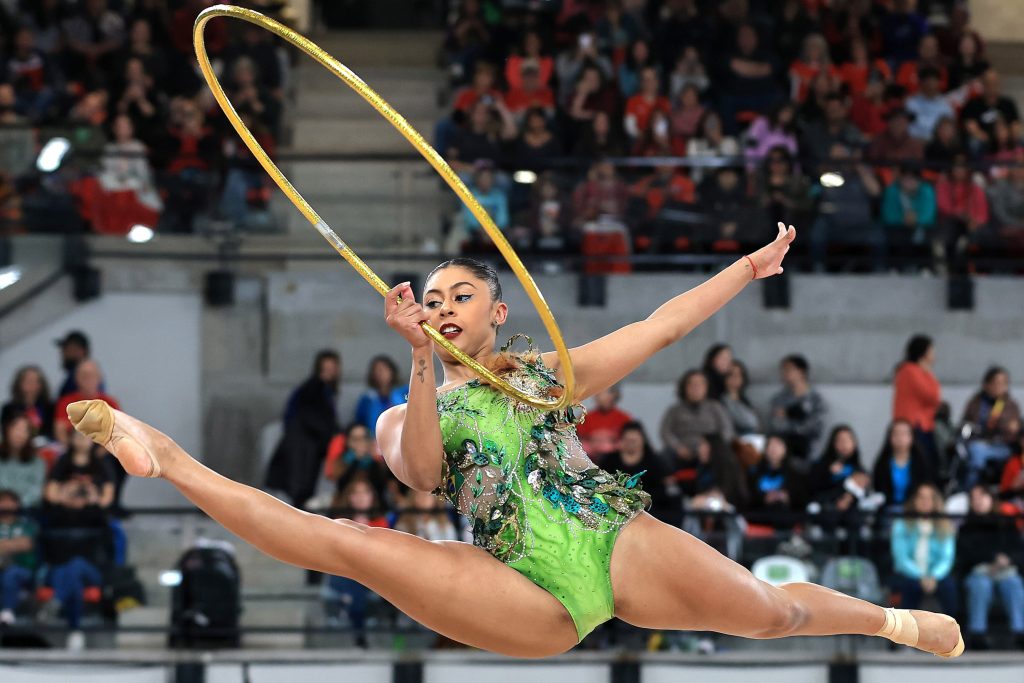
[(752, 266)]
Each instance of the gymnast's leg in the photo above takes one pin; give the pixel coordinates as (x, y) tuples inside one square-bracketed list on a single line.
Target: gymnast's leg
[(455, 589), (664, 578)]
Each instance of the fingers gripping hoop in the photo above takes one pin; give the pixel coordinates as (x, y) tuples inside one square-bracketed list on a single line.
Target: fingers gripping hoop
[(429, 153)]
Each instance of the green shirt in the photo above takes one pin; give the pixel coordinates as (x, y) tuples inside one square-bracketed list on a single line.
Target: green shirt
[(20, 528)]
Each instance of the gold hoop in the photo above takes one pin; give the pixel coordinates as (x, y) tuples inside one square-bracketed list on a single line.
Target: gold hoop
[(429, 153)]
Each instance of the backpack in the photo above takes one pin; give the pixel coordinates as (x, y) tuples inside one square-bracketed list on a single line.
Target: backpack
[(206, 605)]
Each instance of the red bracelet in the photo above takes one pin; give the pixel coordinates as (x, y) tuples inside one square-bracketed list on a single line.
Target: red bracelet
[(752, 266)]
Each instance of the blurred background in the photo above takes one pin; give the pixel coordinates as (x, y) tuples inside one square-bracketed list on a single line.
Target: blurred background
[(628, 149)]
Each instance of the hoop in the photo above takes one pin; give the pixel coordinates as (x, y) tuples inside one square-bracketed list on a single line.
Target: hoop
[(432, 157)]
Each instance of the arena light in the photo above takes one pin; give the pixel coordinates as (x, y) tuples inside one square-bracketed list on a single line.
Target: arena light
[(52, 154), (170, 578), (140, 234), (832, 179), (525, 177), (9, 276)]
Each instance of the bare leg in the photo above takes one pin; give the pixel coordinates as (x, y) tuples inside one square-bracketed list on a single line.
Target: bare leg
[(453, 588), (665, 578)]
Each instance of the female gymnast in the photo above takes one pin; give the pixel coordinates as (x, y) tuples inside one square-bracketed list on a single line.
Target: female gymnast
[(573, 543)]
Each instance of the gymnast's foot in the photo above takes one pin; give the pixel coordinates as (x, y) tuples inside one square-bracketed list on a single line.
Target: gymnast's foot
[(140, 448), (928, 631)]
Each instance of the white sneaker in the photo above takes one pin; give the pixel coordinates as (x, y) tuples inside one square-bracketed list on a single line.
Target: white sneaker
[(76, 641), (6, 617)]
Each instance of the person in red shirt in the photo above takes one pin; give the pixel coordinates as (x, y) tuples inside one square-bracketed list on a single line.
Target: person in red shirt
[(483, 84), (639, 107), (917, 394), (600, 430), (532, 53), (532, 93), (963, 207), (861, 70), (88, 378), (814, 58), (927, 55)]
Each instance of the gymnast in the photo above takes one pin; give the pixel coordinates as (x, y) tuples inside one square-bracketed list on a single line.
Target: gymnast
[(559, 545)]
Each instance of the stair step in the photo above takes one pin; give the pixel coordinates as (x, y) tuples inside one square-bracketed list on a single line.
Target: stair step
[(355, 136)]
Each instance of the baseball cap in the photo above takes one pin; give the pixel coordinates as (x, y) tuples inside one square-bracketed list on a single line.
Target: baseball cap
[(74, 337)]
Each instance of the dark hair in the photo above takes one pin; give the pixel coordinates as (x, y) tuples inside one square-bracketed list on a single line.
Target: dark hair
[(830, 454), (631, 60), (481, 270), (44, 392), (10, 494), (993, 372), (917, 347), (781, 151), (684, 380), (387, 360), (746, 380), (637, 426), (321, 356), (773, 115), (926, 72), (916, 454), (798, 362), (27, 452)]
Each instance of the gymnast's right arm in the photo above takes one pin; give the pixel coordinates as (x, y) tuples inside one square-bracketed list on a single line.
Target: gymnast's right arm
[(409, 435)]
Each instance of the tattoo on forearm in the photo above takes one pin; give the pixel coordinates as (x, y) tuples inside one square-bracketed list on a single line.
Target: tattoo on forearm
[(423, 368)]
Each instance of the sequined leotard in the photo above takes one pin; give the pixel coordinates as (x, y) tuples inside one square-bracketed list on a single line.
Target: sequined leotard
[(534, 499)]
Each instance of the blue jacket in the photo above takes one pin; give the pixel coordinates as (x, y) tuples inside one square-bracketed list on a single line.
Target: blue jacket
[(941, 552), (372, 404)]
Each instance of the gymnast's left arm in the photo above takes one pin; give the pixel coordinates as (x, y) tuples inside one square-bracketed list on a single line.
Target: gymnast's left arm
[(604, 361)]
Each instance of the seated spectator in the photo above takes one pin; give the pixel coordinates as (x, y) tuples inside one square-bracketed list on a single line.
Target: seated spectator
[(689, 72), (667, 186), (360, 504), (257, 47), (902, 28), (710, 142), (632, 453), (818, 138), (917, 394), (74, 348), (745, 420), (792, 22), (980, 114), (531, 54), (813, 108), (21, 468), (776, 488), (657, 139), (570, 65), (814, 59), (352, 454), (483, 87), (687, 114), (617, 31), (631, 69), (190, 152), (969, 62), (1011, 485), (537, 144), (963, 211), (600, 431), (911, 73), (641, 106), (384, 390), (797, 411), (547, 229), (93, 37), (246, 91), (1006, 199), (493, 199), (89, 379), (29, 71), (717, 364), (749, 79), (778, 129), (990, 554), (928, 105), (140, 99), (603, 193), (868, 111), (995, 422), (901, 466), (30, 396), (924, 551), (861, 70), (895, 143), (839, 462), (945, 145), (909, 213), (17, 554), (599, 139), (697, 431), (722, 198), (490, 126), (246, 194), (532, 95), (147, 48), (782, 191), (1002, 147), (126, 194), (467, 39), (426, 515)]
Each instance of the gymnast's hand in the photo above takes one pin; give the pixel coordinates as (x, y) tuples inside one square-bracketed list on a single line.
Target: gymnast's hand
[(768, 258), (405, 317)]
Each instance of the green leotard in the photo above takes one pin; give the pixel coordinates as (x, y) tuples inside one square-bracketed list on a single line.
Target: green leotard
[(535, 500)]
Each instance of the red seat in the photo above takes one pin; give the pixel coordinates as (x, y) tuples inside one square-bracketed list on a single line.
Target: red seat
[(602, 244), (642, 243), (725, 245), (760, 531), (681, 244), (91, 594)]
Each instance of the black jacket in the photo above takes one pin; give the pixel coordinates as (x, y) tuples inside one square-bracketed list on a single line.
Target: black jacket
[(982, 537)]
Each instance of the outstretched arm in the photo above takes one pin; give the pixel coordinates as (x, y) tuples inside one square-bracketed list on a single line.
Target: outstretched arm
[(605, 361)]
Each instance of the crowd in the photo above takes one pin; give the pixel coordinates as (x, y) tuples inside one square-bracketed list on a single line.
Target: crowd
[(120, 81), (882, 129)]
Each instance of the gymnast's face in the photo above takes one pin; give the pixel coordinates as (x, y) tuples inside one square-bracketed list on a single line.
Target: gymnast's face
[(461, 309)]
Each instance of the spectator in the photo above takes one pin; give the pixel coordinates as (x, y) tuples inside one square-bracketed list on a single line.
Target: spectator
[(603, 193), (44, 18), (901, 466), (895, 144), (723, 200), (917, 394), (844, 208), (127, 195), (141, 101), (570, 65), (748, 81), (600, 431), (483, 87), (1006, 198), (657, 139), (980, 114), (969, 62), (681, 28), (467, 39), (745, 420), (490, 125), (632, 67), (147, 48), (902, 29), (531, 96), (697, 429), (360, 504), (963, 210), (246, 91), (717, 363), (310, 420), (990, 554), (792, 23), (928, 105), (909, 213), (263, 57), (945, 144), (190, 152), (246, 187), (426, 516), (537, 144), (840, 461), (21, 468), (862, 71), (776, 489), (29, 71), (994, 419), (17, 557), (617, 31), (819, 137), (911, 73), (797, 411), (531, 54), (600, 138), (30, 396), (641, 106), (351, 455), (711, 142), (689, 72), (549, 219), (1011, 485), (812, 110), (94, 35), (814, 59), (89, 380), (783, 192), (632, 454), (493, 199), (924, 551), (688, 113), (778, 129), (74, 348), (383, 391), (868, 111), (8, 102), (1002, 146)]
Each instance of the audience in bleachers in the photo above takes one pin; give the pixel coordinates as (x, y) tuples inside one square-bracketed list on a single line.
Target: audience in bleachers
[(798, 411), (603, 426), (21, 469), (901, 466), (924, 552), (18, 533)]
